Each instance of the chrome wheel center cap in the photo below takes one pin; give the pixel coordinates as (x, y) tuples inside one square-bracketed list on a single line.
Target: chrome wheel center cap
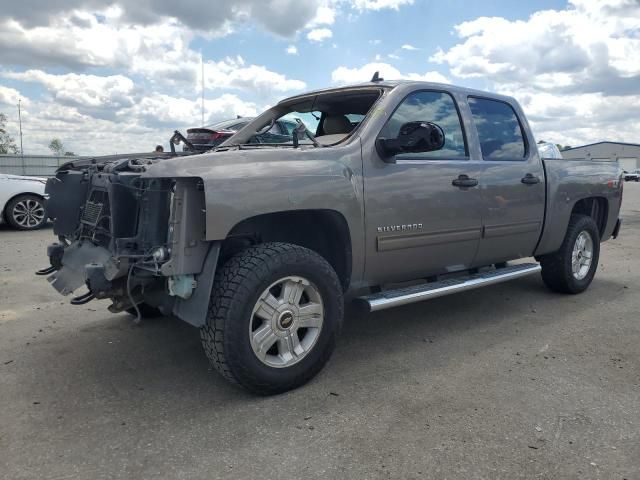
[(285, 320)]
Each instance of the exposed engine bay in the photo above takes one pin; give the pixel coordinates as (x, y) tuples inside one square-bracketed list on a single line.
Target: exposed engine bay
[(125, 237)]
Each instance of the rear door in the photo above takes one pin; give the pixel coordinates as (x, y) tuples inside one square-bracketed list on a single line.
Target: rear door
[(418, 223), (513, 183)]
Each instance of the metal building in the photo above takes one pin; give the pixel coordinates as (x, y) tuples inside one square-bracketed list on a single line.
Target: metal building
[(626, 154)]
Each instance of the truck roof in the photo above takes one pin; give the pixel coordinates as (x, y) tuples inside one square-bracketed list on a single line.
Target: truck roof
[(390, 84)]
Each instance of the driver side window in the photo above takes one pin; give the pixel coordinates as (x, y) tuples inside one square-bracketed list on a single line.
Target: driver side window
[(435, 107)]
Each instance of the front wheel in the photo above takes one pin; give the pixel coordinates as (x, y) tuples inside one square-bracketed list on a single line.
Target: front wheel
[(274, 317), (572, 268), (26, 212)]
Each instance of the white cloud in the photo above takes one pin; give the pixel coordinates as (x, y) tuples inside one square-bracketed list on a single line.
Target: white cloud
[(160, 109), (10, 96), (587, 48), (346, 75), (86, 92), (319, 34), (136, 75), (577, 119), (325, 15), (78, 34), (409, 47), (233, 73), (381, 4), (151, 120), (282, 17), (576, 71), (116, 111), (80, 41)]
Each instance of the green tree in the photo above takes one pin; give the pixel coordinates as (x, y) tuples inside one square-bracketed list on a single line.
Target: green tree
[(56, 147), (69, 154), (7, 144)]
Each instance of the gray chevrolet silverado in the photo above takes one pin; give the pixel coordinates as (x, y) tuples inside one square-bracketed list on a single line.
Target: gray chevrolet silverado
[(388, 193)]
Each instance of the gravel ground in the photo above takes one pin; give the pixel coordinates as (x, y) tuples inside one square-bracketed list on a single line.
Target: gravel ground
[(510, 381)]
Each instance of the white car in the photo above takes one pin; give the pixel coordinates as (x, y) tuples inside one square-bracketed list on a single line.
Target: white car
[(633, 176), (22, 201)]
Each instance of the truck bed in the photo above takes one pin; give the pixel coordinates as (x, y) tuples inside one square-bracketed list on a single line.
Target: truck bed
[(569, 180)]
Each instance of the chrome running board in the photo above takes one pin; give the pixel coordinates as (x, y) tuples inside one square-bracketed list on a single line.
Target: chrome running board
[(417, 293)]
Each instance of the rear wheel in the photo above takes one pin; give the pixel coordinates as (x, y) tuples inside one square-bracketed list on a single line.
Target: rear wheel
[(26, 212), (572, 268), (274, 316)]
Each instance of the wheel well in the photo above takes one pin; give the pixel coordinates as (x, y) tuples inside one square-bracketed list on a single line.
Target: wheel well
[(4, 207), (594, 207), (324, 231)]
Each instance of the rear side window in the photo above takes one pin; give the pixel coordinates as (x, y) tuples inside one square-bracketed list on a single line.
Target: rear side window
[(499, 131)]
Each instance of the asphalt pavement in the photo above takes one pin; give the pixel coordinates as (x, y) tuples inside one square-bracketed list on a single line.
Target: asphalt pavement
[(510, 381)]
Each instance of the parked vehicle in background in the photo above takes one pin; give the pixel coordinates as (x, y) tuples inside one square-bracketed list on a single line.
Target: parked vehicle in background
[(383, 183), (633, 176), (206, 138), (22, 201), (549, 150)]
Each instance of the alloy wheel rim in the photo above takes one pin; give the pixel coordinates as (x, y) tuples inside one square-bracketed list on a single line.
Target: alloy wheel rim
[(286, 322), (28, 213), (582, 255)]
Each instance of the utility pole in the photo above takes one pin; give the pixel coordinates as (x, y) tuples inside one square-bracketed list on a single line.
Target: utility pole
[(202, 104), (24, 168)]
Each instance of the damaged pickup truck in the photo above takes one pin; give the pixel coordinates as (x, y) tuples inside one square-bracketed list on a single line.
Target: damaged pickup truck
[(430, 188)]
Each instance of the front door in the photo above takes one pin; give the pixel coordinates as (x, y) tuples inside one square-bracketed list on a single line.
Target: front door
[(512, 181), (417, 222)]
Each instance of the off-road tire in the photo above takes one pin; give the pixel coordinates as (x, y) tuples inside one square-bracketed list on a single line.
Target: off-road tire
[(556, 267), (13, 203), (238, 285), (146, 311)]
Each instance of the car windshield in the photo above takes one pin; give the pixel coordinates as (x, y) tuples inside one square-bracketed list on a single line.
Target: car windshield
[(329, 118)]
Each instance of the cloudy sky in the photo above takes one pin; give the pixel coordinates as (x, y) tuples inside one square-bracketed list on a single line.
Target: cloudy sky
[(111, 76)]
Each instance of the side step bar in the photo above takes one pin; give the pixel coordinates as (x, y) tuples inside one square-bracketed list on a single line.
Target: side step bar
[(417, 293)]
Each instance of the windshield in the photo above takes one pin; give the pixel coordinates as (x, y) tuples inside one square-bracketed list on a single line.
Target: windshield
[(329, 118)]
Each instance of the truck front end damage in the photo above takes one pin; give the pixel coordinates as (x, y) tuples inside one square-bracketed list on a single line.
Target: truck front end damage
[(131, 239)]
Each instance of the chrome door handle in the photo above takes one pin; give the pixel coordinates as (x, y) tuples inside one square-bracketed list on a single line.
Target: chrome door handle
[(464, 181), (530, 179)]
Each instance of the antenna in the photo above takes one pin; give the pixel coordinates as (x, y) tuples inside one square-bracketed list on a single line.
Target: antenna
[(376, 77), (202, 104), (24, 170)]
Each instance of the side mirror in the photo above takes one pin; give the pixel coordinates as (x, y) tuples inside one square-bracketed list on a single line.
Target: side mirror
[(413, 137)]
